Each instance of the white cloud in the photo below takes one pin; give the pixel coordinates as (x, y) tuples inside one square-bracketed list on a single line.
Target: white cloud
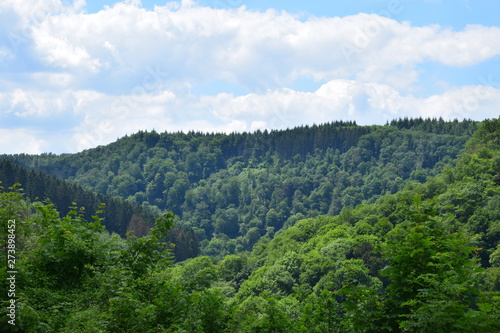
[(367, 103), (14, 141), (32, 11), (258, 50), (100, 119), (474, 44), (39, 105)]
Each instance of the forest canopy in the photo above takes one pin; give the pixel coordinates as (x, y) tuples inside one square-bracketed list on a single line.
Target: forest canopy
[(398, 231), (227, 191)]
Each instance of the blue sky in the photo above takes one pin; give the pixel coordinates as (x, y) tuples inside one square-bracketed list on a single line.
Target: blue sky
[(76, 74)]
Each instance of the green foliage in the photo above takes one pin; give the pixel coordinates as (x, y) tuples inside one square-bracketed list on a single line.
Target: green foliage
[(40, 186), (240, 185), (197, 273), (260, 314), (143, 253), (65, 250), (403, 262), (433, 278), (75, 277)]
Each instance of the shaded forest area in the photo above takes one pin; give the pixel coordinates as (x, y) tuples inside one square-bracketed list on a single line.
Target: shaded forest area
[(119, 216), (41, 186)]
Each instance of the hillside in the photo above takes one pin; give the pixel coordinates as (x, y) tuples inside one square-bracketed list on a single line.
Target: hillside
[(233, 189), (423, 259), (118, 216), (41, 186)]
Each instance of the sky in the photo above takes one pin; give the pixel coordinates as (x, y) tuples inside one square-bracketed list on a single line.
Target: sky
[(78, 74)]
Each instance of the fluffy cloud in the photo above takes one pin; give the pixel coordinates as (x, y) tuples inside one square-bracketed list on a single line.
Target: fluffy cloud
[(10, 140), (258, 50), (45, 105), (367, 103), (92, 118)]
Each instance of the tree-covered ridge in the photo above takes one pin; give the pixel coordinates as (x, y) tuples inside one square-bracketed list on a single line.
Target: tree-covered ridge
[(425, 259), (233, 189), (119, 216), (41, 186), (462, 209), (411, 261)]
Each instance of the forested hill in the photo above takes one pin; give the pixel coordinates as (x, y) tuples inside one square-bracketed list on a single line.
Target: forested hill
[(233, 189), (40, 186), (118, 216), (424, 259)]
